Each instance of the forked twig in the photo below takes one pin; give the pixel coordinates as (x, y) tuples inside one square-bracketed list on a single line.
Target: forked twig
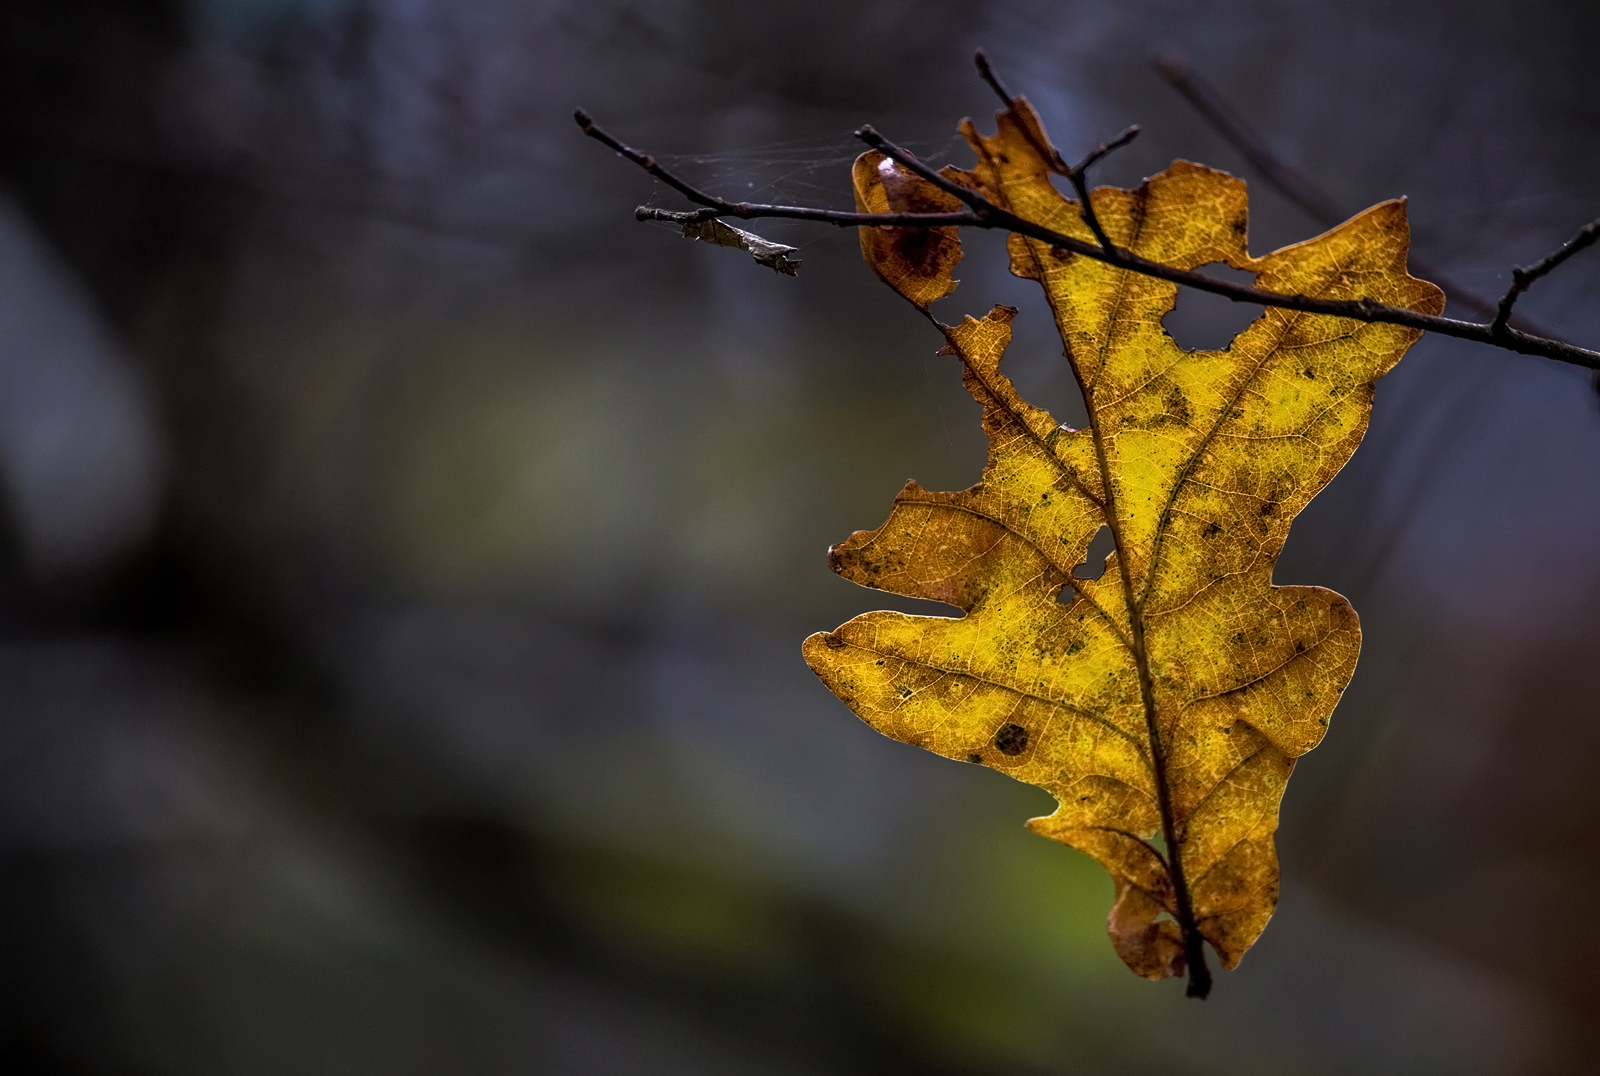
[(1080, 185), (1075, 172), (1523, 279)]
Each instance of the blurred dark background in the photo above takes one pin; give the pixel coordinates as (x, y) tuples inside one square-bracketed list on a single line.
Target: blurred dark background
[(406, 554)]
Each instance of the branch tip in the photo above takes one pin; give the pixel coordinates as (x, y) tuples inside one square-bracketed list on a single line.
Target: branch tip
[(986, 73), (1171, 64)]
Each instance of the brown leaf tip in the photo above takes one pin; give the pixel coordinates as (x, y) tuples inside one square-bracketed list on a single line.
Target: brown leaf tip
[(835, 562)]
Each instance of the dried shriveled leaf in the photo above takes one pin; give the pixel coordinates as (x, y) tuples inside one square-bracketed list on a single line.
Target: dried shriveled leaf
[(1163, 704), (916, 262), (764, 251)]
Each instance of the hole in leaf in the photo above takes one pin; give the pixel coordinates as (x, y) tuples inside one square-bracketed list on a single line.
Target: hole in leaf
[(1205, 322), (1094, 564)]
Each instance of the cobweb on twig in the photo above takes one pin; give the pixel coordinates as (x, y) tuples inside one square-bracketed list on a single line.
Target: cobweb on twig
[(797, 172)]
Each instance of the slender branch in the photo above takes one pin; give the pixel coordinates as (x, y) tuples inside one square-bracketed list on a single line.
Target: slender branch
[(1194, 948), (674, 216), (1092, 219), (1523, 279), (1193, 943), (645, 161), (721, 207), (1296, 185), (982, 213), (1046, 152)]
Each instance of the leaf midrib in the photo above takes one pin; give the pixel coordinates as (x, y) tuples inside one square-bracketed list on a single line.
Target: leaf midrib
[(1194, 950)]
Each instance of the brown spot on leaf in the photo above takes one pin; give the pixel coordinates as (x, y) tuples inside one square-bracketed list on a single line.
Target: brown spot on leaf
[(1177, 405), (1011, 739)]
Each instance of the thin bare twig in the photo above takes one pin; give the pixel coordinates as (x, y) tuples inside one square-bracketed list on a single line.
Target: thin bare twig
[(1094, 156), (981, 213), (1523, 279), (721, 207), (1047, 153), (1296, 185), (1193, 944)]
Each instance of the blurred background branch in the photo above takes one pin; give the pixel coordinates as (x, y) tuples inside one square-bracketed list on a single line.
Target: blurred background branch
[(1299, 187)]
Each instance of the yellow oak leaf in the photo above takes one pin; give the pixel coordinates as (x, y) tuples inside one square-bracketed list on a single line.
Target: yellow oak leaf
[(1163, 704)]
